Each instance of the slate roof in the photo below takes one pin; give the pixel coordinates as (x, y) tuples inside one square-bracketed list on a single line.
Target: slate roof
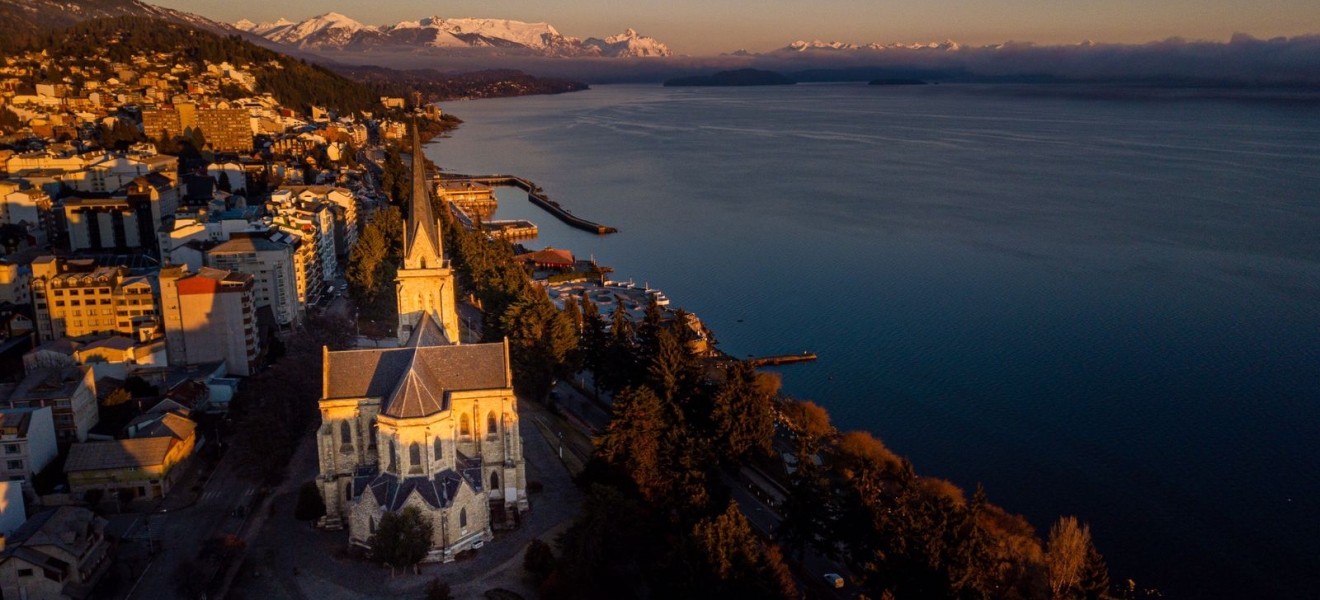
[(414, 381), (391, 491), (67, 527)]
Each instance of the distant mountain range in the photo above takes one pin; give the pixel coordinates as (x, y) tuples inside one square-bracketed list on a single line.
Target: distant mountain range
[(817, 45), (333, 31)]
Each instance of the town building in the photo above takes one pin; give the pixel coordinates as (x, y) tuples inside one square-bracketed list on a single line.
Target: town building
[(145, 465), (475, 199), (127, 220), (226, 129), (431, 424), (27, 443), (69, 391), (272, 266), (76, 298), (210, 315), (56, 555)]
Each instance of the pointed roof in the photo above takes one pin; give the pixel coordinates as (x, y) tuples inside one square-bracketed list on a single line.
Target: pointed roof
[(415, 380), (422, 233)]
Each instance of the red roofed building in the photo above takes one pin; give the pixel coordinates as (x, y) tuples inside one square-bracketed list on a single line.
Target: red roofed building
[(210, 316), (549, 258)]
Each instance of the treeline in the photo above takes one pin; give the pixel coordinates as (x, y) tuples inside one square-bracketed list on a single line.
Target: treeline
[(435, 86), (542, 339), (294, 83), (373, 264)]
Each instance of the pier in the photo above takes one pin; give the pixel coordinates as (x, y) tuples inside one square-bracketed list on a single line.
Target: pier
[(534, 195), (783, 359)]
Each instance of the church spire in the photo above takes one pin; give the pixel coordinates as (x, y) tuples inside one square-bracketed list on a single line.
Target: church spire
[(424, 285), (421, 238)]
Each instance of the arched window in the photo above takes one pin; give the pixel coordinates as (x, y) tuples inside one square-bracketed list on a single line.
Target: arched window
[(492, 426), (348, 492), (415, 457), (345, 433), (371, 433), (439, 450), (371, 525), (465, 425), (494, 480), (462, 518), (394, 458)]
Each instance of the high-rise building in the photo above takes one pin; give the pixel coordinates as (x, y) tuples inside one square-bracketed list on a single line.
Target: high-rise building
[(208, 316), (226, 129), (272, 266)]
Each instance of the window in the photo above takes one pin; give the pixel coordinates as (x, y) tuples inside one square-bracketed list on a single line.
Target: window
[(371, 525), (345, 434), (25, 572), (415, 457), (348, 491), (494, 480), (462, 518), (439, 450), (465, 425), (15, 448), (492, 426), (14, 465), (394, 458)]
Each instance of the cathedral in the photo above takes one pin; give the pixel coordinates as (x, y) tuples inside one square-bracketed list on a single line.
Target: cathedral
[(431, 424)]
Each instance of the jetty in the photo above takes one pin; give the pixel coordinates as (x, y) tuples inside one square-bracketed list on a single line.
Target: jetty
[(783, 359), (534, 195)]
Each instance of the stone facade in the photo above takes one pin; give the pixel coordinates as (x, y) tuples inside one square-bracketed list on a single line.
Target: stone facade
[(431, 424)]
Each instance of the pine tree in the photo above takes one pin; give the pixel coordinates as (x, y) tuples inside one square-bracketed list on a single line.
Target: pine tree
[(743, 416)]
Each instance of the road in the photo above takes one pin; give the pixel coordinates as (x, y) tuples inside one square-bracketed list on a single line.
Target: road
[(179, 533)]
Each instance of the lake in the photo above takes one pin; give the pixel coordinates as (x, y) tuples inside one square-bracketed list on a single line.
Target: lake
[(1092, 301)]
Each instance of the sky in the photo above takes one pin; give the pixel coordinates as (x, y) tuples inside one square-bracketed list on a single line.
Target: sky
[(709, 27)]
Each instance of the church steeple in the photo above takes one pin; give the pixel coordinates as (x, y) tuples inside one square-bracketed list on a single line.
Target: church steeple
[(421, 237), (424, 285)]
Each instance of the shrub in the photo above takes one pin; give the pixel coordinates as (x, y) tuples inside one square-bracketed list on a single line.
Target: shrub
[(310, 506), (539, 559)]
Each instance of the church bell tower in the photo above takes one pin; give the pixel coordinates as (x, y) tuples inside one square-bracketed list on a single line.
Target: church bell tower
[(425, 282)]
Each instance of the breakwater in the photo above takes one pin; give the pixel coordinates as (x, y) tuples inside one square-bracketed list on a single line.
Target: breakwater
[(535, 196)]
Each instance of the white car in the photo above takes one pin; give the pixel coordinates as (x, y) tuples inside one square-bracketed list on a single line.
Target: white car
[(833, 580)]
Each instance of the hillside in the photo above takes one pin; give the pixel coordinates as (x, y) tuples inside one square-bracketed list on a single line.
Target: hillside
[(21, 18), (435, 86), (93, 45)]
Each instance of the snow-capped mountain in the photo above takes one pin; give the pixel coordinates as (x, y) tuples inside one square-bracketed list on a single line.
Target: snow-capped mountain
[(629, 43), (333, 31), (817, 45)]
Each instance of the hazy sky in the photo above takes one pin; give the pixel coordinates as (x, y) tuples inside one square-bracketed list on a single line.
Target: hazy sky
[(700, 27)]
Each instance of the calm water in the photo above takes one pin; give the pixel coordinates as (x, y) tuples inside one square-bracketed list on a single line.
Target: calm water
[(1100, 307)]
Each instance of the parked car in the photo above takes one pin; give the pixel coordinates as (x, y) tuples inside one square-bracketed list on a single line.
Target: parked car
[(834, 580)]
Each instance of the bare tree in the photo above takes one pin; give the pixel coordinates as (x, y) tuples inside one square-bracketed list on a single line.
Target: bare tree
[(1066, 555)]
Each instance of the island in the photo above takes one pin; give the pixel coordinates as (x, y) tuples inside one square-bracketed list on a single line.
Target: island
[(737, 78)]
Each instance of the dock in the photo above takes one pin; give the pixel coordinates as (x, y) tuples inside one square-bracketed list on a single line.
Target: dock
[(783, 359), (534, 195)]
